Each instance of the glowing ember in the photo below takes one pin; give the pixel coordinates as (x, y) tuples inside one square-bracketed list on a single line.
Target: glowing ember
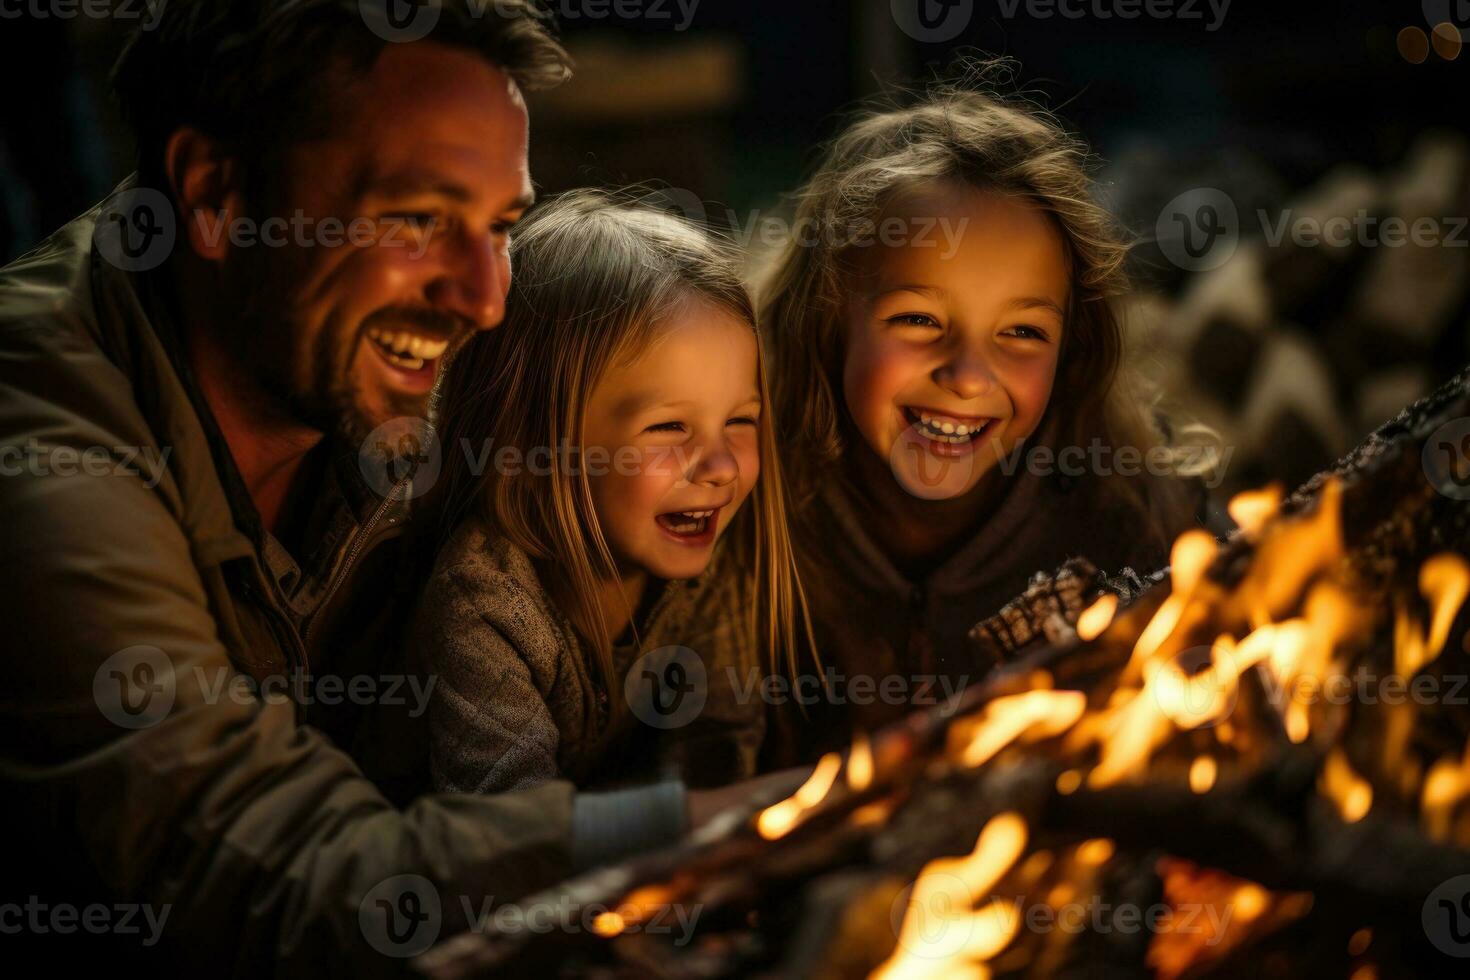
[(608, 924), (1202, 774)]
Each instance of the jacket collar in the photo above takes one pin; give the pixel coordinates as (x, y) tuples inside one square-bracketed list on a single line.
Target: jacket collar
[(125, 308)]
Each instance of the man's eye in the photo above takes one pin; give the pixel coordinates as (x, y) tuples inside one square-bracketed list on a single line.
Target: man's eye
[(913, 320), (666, 427)]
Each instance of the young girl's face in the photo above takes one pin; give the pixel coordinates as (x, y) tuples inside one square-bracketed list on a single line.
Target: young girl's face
[(678, 430), (951, 350)]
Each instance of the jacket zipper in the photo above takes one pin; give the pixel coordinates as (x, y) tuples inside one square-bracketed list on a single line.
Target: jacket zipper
[(360, 538)]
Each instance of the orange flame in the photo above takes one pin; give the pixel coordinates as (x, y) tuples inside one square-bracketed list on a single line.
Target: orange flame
[(950, 887), (1097, 617), (1039, 714), (1444, 581), (1253, 508), (777, 820), (860, 764), (1349, 791)]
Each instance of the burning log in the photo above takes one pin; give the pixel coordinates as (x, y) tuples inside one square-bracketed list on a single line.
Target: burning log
[(1187, 751)]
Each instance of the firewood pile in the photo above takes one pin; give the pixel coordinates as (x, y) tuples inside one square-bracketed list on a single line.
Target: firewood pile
[(1260, 766)]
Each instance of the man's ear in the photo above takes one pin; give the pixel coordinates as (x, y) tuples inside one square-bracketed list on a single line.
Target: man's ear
[(205, 182)]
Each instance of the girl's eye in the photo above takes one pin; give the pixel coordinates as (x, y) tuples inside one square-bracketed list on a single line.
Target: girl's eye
[(1027, 332), (743, 420), (417, 220), (666, 427), (913, 320)]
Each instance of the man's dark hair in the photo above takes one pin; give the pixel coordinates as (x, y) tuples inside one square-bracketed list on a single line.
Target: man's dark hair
[(262, 75)]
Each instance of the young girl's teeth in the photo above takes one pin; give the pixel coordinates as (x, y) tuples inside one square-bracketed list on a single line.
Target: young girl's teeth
[(686, 522)]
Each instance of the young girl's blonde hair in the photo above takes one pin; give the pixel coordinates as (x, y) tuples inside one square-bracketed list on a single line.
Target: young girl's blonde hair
[(956, 132), (597, 276)]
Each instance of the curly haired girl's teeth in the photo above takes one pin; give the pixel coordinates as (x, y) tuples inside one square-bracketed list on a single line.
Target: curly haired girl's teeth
[(945, 428)]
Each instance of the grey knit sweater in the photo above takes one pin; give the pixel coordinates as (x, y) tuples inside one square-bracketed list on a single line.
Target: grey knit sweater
[(517, 700)]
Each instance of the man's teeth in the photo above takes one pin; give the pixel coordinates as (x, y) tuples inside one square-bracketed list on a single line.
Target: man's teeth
[(944, 429), (407, 350)]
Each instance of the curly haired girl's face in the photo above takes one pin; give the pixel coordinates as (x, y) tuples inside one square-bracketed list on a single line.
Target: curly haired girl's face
[(952, 348)]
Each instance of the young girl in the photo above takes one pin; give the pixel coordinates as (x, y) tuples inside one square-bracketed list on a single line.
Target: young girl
[(948, 376), (600, 493)]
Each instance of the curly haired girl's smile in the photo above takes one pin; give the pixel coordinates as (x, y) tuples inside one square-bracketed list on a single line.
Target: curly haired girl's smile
[(952, 358)]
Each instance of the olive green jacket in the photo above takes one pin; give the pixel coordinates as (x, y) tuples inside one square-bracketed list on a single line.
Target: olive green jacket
[(141, 600)]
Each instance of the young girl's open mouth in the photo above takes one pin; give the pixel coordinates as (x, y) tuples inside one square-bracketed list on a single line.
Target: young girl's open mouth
[(947, 435), (692, 527)]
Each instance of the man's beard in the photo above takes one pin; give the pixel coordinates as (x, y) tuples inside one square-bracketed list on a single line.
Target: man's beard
[(306, 369), (328, 397)]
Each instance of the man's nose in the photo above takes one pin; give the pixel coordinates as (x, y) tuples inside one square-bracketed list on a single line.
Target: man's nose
[(475, 284), (967, 372)]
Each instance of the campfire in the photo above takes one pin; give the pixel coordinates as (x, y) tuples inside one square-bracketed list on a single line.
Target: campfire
[(1258, 766)]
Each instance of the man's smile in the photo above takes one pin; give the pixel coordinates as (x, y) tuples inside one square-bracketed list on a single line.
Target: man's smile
[(412, 358)]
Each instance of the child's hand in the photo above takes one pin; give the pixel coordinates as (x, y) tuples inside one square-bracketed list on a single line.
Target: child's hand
[(764, 790)]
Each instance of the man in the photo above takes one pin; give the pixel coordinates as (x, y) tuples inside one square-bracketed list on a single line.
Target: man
[(194, 383)]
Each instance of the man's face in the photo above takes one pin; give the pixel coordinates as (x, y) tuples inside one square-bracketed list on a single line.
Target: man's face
[(348, 324)]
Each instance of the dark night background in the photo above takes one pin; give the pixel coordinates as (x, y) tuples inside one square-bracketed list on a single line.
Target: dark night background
[(1290, 354)]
